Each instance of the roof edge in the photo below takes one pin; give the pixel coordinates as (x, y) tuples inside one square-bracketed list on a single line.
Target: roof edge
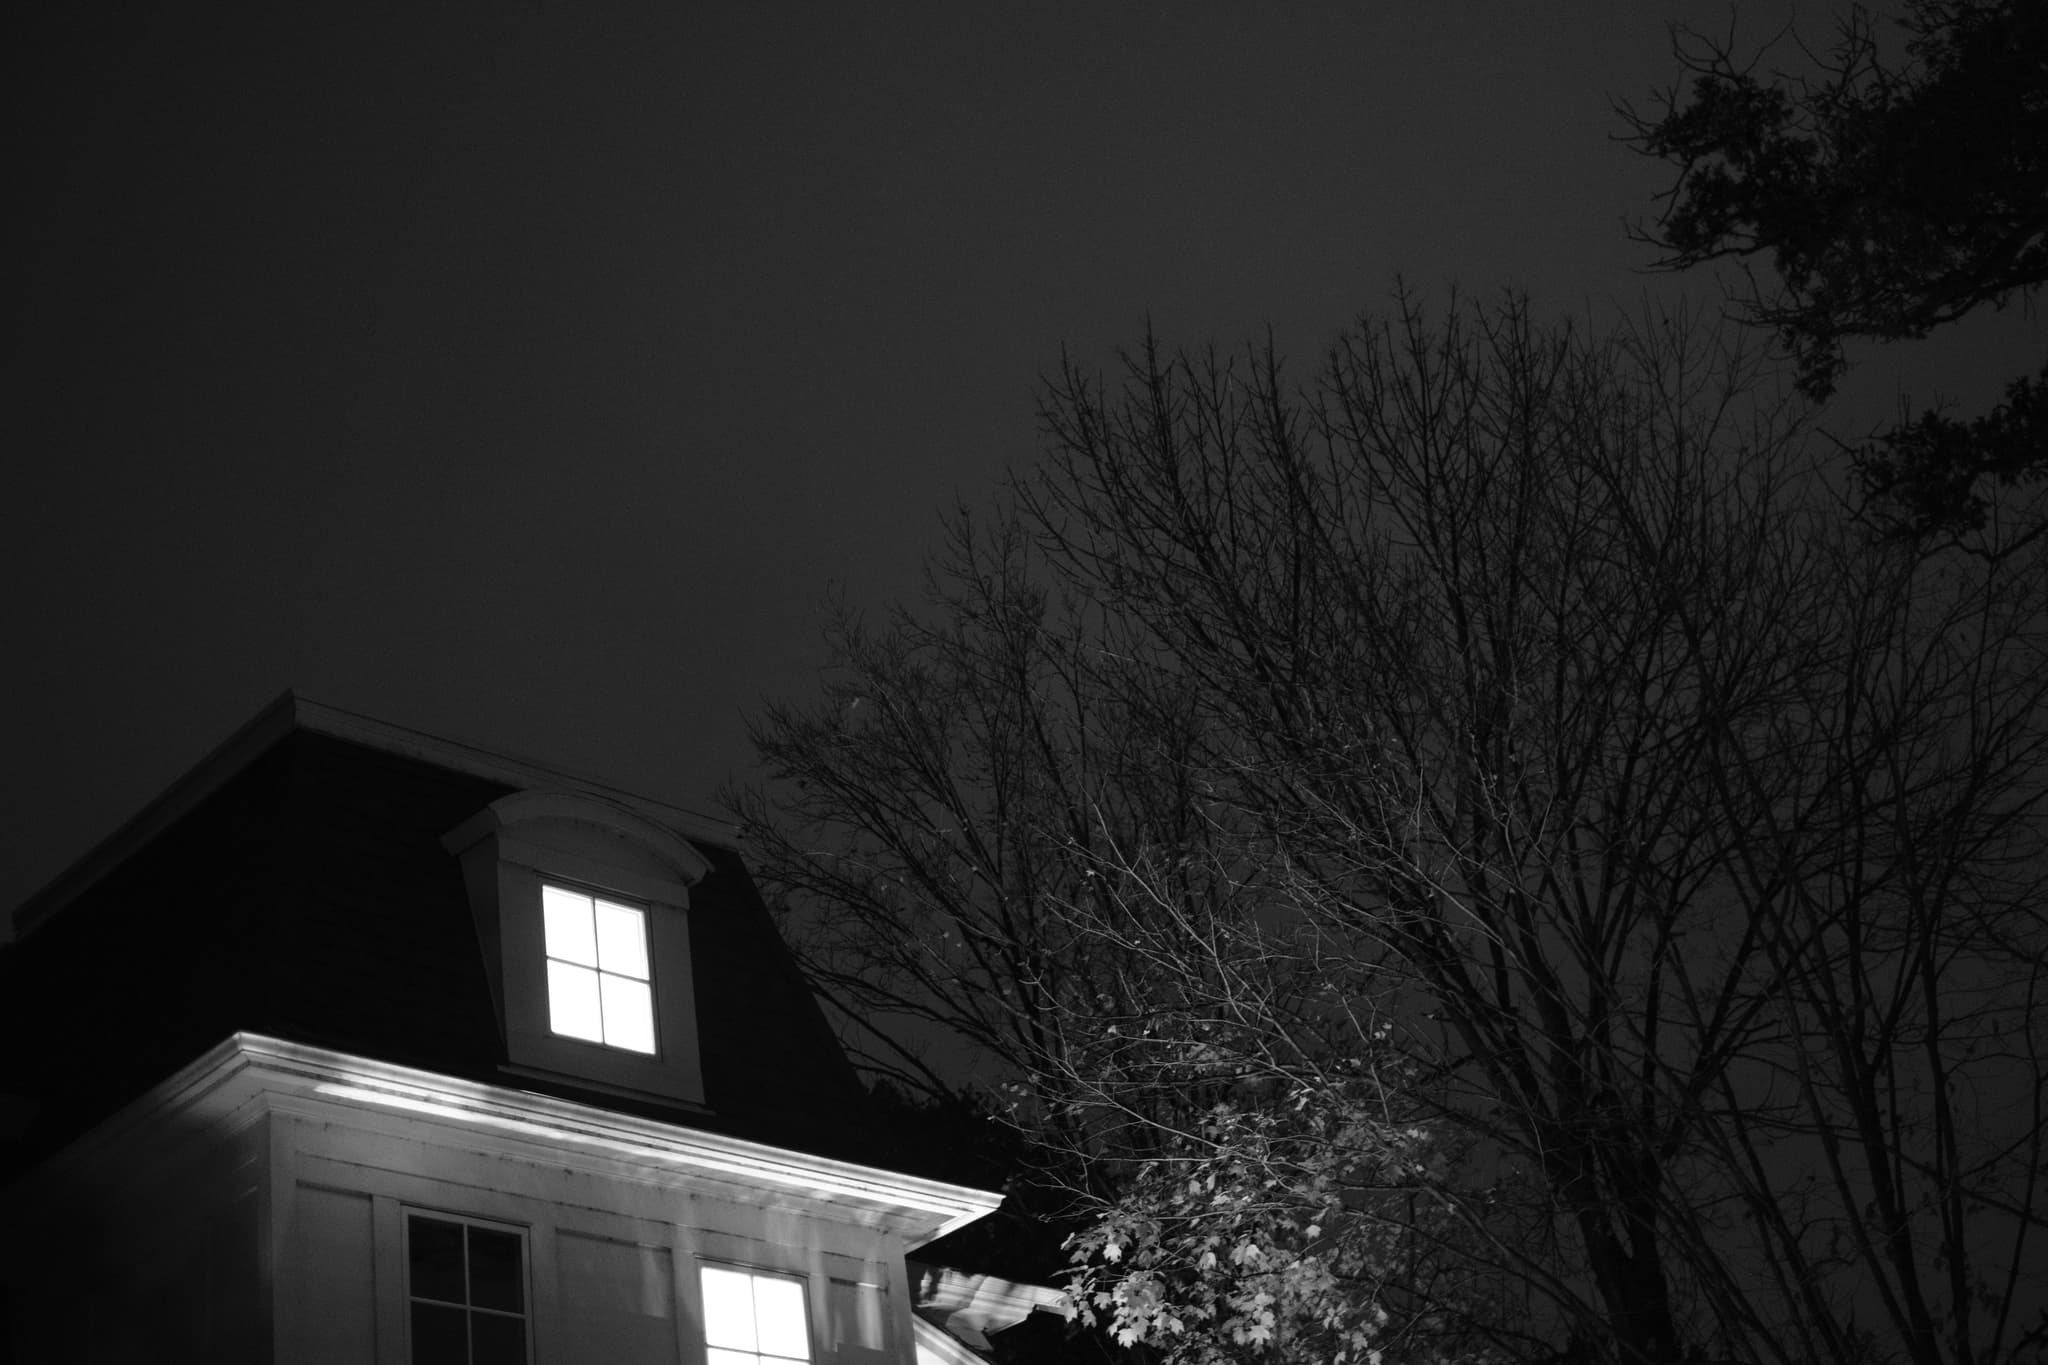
[(970, 1306), (290, 713), (274, 1073), (513, 770)]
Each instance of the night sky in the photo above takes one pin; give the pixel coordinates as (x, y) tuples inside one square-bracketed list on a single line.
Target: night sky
[(528, 376)]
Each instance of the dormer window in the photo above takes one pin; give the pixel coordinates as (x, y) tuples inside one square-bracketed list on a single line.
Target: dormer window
[(598, 979), (583, 912)]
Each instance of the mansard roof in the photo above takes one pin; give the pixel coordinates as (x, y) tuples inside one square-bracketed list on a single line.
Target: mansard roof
[(295, 885)]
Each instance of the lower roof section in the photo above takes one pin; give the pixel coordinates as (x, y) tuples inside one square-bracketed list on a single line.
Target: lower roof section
[(252, 1073), (971, 1306)]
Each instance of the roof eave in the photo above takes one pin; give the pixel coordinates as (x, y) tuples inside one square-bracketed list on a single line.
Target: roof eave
[(253, 1072)]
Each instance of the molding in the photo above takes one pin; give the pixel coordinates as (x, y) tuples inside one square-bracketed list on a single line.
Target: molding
[(598, 1086), (969, 1306), (936, 1346), (516, 771), (550, 806), (516, 845), (291, 712), (250, 1074)]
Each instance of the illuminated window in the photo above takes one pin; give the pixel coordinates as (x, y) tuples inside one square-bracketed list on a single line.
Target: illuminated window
[(583, 908), (754, 1319), (598, 982), (465, 1288)]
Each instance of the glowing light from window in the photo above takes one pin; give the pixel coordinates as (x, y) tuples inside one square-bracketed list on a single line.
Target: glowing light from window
[(599, 986), (752, 1319)]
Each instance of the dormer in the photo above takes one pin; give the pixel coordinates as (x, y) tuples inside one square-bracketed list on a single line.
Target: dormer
[(582, 909)]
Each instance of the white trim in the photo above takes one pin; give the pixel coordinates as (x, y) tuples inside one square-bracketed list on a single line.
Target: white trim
[(945, 1348), (970, 1306), (541, 805), (510, 769), (510, 852), (253, 1072)]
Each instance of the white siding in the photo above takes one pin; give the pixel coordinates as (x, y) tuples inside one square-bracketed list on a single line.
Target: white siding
[(326, 1296), (617, 1299)]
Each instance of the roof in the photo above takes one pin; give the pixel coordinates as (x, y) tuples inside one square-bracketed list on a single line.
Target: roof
[(294, 885), (970, 1306), (292, 713), (249, 1074)]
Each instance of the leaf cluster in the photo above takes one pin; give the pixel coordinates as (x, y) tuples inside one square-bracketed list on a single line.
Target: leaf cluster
[(1890, 196), (1302, 1229)]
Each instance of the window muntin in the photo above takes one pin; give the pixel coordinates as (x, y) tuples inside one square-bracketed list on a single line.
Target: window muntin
[(754, 1319), (600, 986), (465, 1290)]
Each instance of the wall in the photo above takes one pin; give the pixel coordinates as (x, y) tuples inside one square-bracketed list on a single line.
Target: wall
[(612, 1256), (144, 1248)]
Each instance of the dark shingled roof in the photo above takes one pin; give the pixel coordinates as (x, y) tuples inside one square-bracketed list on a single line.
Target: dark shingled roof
[(296, 885)]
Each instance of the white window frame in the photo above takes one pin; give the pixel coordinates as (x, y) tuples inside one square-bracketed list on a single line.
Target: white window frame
[(600, 966), (517, 845), (803, 1287)]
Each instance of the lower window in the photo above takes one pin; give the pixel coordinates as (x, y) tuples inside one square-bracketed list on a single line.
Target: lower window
[(465, 1287), (754, 1319)]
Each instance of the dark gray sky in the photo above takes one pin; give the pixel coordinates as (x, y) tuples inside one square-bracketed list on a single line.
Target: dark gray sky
[(527, 374)]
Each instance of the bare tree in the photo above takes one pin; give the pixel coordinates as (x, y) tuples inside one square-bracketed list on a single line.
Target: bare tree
[(1475, 856), (1006, 867), (974, 762), (1709, 830)]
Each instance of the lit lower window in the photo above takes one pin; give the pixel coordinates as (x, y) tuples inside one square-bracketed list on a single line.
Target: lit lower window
[(598, 984), (754, 1319), (465, 1285)]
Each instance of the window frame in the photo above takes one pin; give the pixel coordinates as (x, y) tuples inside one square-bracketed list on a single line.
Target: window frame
[(512, 849), (804, 1286), (594, 898), (523, 1235)]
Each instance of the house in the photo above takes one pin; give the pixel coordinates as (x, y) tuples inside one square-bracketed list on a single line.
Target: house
[(361, 1045)]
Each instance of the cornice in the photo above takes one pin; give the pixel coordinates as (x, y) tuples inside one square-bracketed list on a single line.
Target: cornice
[(970, 1306), (252, 1073)]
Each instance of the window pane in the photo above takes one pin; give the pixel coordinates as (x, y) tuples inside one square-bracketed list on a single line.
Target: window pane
[(716, 1356), (628, 1013), (435, 1259), (728, 1309), (494, 1277), (439, 1335), (622, 939), (779, 1317), (568, 925), (497, 1340), (573, 1007)]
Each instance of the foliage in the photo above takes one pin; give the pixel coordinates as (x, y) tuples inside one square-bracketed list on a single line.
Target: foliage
[(1238, 1236), (1891, 197), (1303, 1225), (1923, 476)]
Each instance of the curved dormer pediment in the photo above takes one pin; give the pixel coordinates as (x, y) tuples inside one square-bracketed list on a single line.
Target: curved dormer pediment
[(582, 907)]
